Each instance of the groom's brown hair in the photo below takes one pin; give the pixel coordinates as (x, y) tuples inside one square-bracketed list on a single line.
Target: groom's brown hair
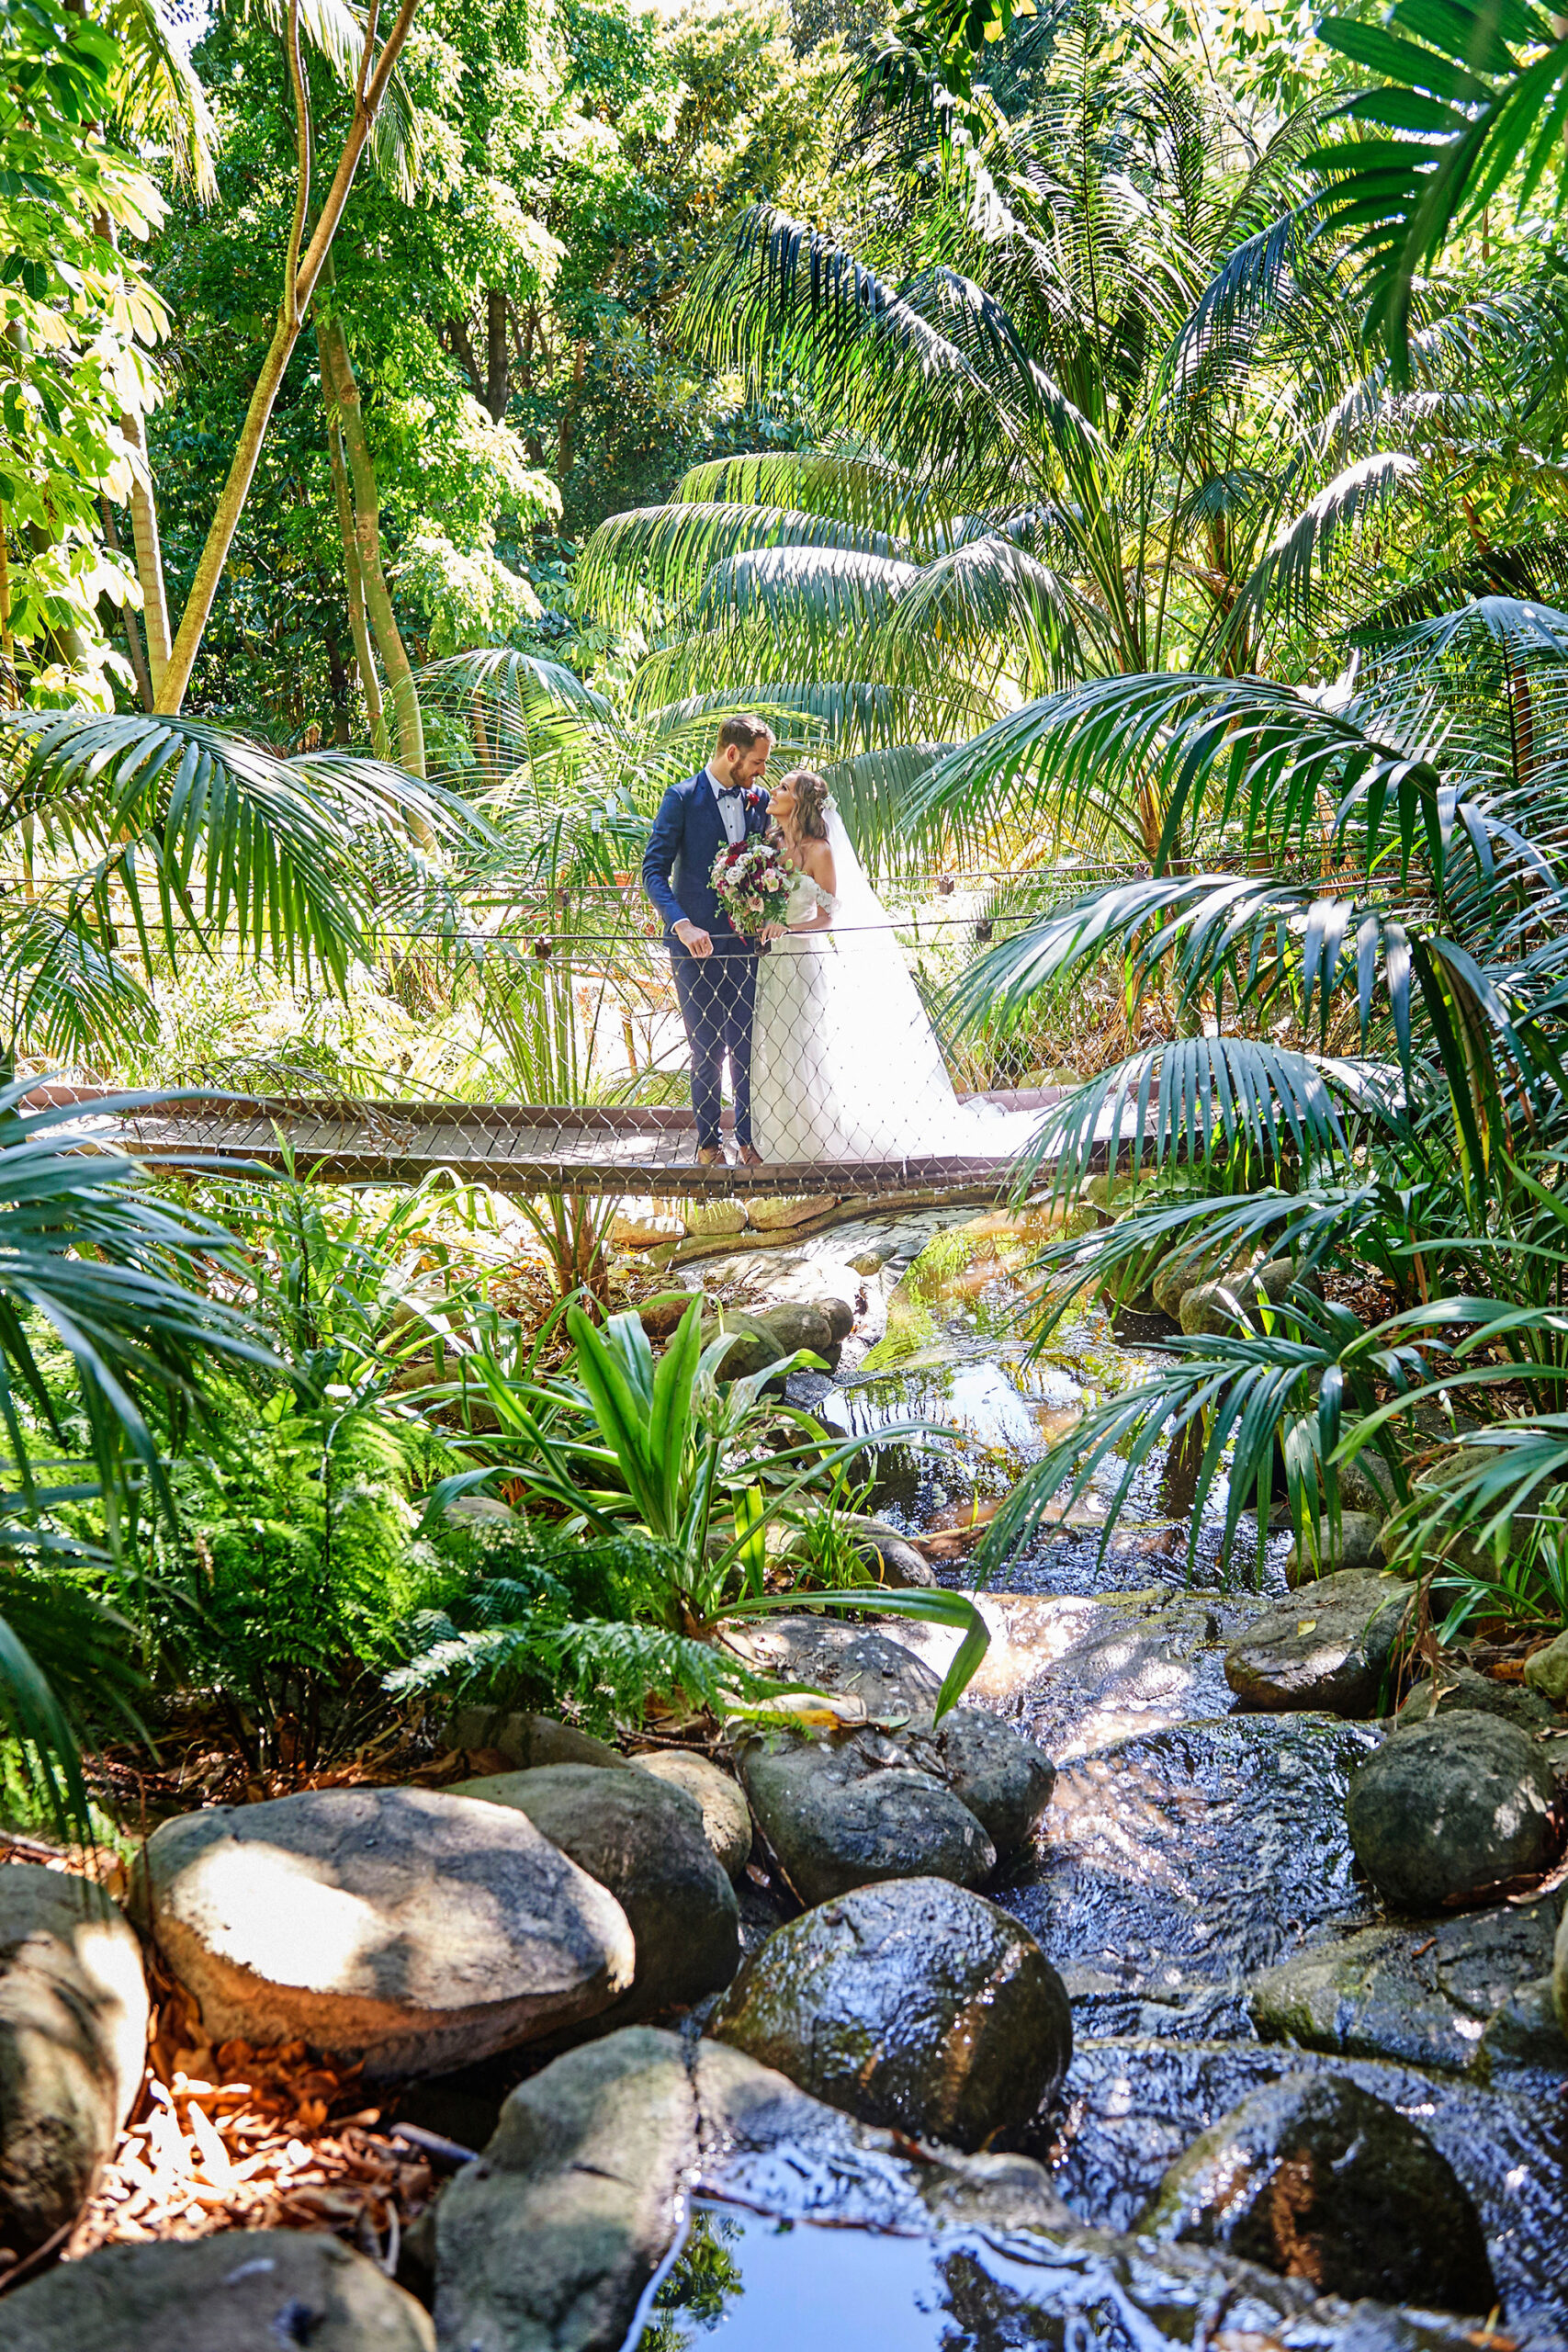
[(743, 731)]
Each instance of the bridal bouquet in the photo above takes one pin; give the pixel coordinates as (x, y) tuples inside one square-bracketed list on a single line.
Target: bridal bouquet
[(752, 883)]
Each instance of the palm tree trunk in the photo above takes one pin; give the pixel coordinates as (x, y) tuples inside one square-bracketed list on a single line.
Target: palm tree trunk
[(149, 554), (352, 576), (337, 372), (300, 271)]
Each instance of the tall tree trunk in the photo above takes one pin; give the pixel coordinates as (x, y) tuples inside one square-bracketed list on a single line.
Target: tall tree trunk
[(337, 370), (149, 554), (352, 576), (338, 675), (567, 434), (498, 388), (300, 271), (9, 683), (132, 634)]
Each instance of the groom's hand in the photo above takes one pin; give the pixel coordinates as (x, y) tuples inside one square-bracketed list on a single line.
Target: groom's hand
[(693, 939)]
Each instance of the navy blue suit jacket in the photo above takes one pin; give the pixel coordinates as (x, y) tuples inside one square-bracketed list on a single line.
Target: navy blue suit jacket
[(687, 835)]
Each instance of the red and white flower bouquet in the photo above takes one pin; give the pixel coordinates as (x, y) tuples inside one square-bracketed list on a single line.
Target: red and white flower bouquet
[(752, 883)]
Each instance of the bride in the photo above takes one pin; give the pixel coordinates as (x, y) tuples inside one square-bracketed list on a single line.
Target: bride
[(844, 1061)]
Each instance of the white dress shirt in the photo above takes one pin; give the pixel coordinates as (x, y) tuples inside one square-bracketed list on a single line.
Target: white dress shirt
[(731, 808)]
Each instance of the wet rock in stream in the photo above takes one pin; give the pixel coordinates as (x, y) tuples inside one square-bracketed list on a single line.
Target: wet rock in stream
[(1130, 2108), (1450, 1808), (839, 1815), (1422, 1992), (915, 2005), (1317, 2179), (1331, 1644)]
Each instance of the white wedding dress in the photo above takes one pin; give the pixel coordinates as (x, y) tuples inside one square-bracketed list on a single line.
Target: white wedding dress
[(844, 1061)]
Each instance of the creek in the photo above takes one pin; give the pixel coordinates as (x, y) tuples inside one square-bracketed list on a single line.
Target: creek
[(1192, 1857)]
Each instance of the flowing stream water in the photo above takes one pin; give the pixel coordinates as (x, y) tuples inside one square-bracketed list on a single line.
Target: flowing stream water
[(1189, 1849)]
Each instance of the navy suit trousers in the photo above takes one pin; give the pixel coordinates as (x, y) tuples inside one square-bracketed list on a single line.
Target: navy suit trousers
[(718, 996)]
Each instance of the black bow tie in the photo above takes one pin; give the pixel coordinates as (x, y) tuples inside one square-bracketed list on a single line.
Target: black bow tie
[(729, 792)]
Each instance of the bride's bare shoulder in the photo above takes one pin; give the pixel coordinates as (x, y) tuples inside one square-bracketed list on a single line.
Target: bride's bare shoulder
[(818, 859)]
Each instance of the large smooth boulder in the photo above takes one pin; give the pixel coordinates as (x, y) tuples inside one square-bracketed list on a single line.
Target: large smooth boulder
[(838, 1819), (1005, 1780), (1317, 2179), (243, 2290), (399, 1928), (727, 1816), (1330, 1647), (644, 1839), (550, 2240), (916, 2005), (1448, 1809), (527, 1741), (1460, 1690), (72, 2045)]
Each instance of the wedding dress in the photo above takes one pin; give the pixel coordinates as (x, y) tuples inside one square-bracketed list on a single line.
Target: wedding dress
[(844, 1062)]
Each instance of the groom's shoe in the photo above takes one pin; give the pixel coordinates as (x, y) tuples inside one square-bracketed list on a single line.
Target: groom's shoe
[(750, 1157), (709, 1156)]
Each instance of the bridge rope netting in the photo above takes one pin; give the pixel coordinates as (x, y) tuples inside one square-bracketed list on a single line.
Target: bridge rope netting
[(841, 1091)]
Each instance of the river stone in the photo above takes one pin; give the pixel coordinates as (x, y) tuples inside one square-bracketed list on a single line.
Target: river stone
[(526, 1741), (1357, 1548), (643, 1225), (72, 2045), (1448, 1809), (1331, 1647), (644, 1839), (1547, 1672), (1525, 2035), (793, 1324), (399, 1928), (836, 1818), (839, 1314), (1366, 1484), (1560, 1973), (1179, 1270), (1423, 1995), (1461, 1691), (890, 1556), (549, 2239), (892, 1683), (713, 1217), (1004, 1778), (726, 1817), (243, 2291), (1317, 2179), (752, 1347), (915, 2005), (1231, 1303), (779, 1213)]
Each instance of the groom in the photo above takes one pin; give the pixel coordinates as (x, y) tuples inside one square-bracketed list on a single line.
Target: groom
[(715, 966)]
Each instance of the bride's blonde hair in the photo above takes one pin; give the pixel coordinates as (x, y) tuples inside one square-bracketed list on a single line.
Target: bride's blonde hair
[(810, 792)]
